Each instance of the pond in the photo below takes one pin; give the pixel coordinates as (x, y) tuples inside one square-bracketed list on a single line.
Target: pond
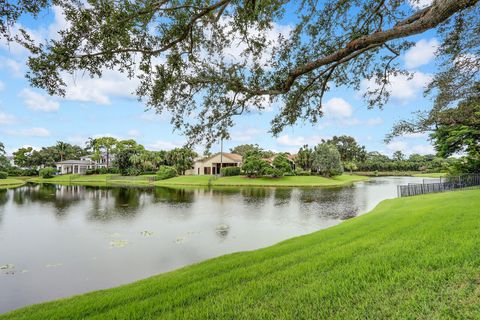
[(56, 241)]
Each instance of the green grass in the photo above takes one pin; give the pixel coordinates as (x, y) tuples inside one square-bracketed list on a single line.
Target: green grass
[(410, 258), (431, 175), (11, 183), (96, 180), (293, 181)]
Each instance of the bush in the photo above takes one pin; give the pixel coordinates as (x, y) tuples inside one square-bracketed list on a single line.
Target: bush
[(132, 172), (47, 173), (326, 160), (166, 172), (230, 171), (272, 172), (3, 175), (301, 172)]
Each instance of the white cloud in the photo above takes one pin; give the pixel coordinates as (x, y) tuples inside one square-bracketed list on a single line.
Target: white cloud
[(11, 66), (2, 86), (414, 135), (423, 149), (100, 90), (299, 141), (7, 119), (164, 145), (38, 102), (338, 108), (406, 148), (374, 121), (420, 4), (247, 135), (397, 146), (33, 132), (134, 133), (422, 53), (401, 87)]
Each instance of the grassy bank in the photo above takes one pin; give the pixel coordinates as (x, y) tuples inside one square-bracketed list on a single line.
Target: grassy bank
[(431, 175), (113, 180), (398, 173), (415, 258), (97, 180), (291, 181), (11, 183)]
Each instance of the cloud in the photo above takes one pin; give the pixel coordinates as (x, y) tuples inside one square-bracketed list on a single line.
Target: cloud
[(38, 102), (406, 148), (2, 86), (374, 121), (338, 108), (422, 53), (100, 90), (247, 135), (298, 141), (164, 145), (420, 4), (134, 133), (397, 145), (414, 135), (401, 87), (11, 66), (424, 149), (7, 119), (33, 132)]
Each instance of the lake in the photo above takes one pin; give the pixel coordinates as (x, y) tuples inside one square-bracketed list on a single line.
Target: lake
[(57, 241)]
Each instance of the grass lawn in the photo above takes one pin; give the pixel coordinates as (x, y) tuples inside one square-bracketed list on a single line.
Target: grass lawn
[(293, 181), (410, 258), (11, 183), (96, 180), (431, 175)]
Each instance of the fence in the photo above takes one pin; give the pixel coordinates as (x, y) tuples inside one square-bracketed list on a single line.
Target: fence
[(439, 185)]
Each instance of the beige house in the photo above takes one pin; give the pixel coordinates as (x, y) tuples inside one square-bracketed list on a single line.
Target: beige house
[(212, 165)]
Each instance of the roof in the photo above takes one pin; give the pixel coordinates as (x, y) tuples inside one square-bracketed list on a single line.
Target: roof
[(74, 162), (232, 156)]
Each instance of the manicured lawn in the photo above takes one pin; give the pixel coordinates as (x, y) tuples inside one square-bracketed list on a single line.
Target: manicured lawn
[(97, 180), (410, 258), (293, 181), (431, 175), (11, 183)]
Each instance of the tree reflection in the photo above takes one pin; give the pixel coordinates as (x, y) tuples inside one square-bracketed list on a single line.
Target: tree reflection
[(183, 196), (333, 203)]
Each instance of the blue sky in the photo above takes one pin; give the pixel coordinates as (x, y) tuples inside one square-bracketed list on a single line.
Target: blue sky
[(98, 107)]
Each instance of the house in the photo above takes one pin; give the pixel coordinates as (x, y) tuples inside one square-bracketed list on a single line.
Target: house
[(81, 166), (291, 157), (211, 165)]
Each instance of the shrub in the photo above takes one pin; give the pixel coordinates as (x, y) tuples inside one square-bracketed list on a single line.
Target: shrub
[(273, 172), (3, 175), (301, 172), (282, 165), (254, 166), (326, 160), (230, 171), (132, 172), (166, 172), (47, 173)]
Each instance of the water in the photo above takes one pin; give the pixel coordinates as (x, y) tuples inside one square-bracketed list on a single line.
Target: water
[(59, 240)]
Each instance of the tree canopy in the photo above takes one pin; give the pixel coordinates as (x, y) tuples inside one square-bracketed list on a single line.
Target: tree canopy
[(219, 59)]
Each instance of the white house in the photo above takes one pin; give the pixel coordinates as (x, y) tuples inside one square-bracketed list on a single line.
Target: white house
[(81, 166), (211, 165)]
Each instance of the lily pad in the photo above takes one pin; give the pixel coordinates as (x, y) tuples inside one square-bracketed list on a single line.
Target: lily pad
[(146, 233), (7, 266), (54, 265), (118, 243)]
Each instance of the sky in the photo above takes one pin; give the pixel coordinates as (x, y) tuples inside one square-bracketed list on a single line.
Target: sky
[(107, 107)]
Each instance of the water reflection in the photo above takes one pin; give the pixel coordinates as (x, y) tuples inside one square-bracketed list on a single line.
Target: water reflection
[(110, 236)]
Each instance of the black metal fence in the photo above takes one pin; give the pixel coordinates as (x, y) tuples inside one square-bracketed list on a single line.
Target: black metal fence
[(439, 185)]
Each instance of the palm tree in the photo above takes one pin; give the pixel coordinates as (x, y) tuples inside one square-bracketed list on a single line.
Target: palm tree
[(62, 148)]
